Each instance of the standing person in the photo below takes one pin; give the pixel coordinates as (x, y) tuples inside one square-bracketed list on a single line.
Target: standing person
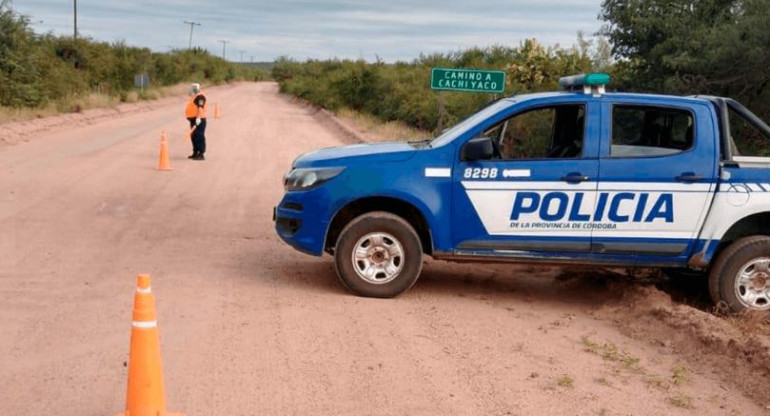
[(195, 112)]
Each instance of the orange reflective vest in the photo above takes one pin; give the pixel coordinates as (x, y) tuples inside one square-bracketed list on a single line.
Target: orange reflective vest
[(192, 110)]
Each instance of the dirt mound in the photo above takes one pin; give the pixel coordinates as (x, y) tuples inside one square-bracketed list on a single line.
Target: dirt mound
[(735, 348)]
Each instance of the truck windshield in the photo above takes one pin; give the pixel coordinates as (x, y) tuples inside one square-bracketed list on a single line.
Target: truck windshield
[(467, 124)]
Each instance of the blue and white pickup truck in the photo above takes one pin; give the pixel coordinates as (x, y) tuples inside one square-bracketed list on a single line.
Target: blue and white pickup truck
[(579, 176)]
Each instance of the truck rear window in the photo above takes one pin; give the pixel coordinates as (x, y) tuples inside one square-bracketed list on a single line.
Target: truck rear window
[(747, 140), (639, 131)]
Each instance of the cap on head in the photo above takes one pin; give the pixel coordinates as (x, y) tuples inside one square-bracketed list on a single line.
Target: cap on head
[(195, 88)]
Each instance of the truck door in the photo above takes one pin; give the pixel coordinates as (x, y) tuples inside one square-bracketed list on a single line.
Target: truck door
[(538, 191), (658, 165)]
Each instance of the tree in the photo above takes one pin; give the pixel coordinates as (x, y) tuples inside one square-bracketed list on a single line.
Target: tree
[(19, 74), (693, 47)]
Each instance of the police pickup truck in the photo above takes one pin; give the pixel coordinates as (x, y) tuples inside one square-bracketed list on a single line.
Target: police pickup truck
[(579, 176)]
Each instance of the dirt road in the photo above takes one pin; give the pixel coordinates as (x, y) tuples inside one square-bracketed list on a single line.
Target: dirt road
[(251, 327)]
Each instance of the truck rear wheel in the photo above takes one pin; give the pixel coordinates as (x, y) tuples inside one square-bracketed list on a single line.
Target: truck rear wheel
[(740, 277), (379, 255)]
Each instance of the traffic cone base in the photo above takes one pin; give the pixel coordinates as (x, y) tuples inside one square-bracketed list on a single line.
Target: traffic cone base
[(163, 161), (145, 394)]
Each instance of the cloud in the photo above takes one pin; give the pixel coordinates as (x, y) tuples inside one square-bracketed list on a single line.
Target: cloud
[(393, 30)]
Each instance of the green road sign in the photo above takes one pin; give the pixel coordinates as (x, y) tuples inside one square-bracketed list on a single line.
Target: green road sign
[(471, 80)]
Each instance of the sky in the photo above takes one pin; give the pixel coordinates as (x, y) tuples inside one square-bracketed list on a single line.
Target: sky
[(393, 30)]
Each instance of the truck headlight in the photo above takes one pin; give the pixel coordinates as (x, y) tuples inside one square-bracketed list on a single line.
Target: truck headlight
[(305, 178)]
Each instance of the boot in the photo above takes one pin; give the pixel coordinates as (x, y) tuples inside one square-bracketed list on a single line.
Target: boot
[(199, 157), (194, 155)]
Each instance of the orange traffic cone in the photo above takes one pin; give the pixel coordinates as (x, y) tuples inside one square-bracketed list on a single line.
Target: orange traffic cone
[(163, 162), (145, 396), (216, 111)]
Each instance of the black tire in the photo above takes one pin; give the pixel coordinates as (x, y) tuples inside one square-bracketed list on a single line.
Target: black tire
[(724, 272), (395, 228)]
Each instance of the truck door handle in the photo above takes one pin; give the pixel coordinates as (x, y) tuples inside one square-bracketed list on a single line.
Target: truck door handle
[(689, 177), (574, 177)]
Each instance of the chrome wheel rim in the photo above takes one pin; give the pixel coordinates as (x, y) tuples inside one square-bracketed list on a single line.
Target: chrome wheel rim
[(752, 284), (378, 258)]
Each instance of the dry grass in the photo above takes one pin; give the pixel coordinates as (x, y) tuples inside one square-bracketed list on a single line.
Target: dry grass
[(657, 382), (64, 106), (679, 375), (680, 399), (163, 92), (610, 352), (565, 381), (93, 100), (392, 130), (86, 102), (19, 114)]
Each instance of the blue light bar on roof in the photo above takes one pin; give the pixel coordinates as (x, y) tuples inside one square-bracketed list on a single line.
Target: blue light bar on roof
[(584, 80)]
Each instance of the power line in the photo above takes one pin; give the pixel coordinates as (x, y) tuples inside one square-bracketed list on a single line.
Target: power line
[(192, 25), (224, 48)]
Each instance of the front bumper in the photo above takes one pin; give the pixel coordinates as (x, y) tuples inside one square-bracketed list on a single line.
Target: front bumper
[(301, 220)]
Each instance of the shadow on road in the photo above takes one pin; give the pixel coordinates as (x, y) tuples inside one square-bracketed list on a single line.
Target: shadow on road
[(527, 283), (581, 287)]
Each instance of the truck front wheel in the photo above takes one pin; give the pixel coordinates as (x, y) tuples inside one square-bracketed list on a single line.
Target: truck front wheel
[(379, 255), (740, 277)]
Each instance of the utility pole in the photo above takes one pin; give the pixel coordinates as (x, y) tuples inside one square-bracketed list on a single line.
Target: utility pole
[(224, 48), (75, 14), (241, 51), (192, 25), (252, 59)]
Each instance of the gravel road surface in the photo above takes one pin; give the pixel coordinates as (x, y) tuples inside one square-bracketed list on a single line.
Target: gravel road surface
[(251, 327)]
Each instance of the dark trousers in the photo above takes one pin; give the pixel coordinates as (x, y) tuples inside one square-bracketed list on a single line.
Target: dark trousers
[(198, 136)]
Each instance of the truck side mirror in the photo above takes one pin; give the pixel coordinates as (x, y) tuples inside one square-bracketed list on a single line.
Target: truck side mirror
[(478, 148)]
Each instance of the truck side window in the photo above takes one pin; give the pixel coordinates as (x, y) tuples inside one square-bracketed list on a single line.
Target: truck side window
[(639, 131), (747, 140), (554, 132)]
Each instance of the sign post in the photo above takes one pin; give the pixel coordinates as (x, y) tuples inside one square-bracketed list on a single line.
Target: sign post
[(141, 81), (466, 80), (440, 124)]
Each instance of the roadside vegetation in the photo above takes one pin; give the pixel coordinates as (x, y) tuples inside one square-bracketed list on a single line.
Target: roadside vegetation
[(401, 91), (47, 73), (374, 129), (677, 47)]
